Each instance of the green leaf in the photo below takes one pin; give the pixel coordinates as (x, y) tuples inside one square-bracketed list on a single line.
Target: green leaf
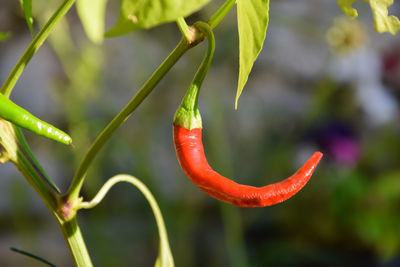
[(139, 14), (92, 15), (4, 36), (345, 5), (27, 8), (252, 19), (384, 22), (33, 256)]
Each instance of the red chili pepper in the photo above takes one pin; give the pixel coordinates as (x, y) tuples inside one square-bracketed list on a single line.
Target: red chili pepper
[(190, 153)]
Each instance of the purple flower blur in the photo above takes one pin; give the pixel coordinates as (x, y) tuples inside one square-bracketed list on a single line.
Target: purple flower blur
[(337, 141), (344, 150)]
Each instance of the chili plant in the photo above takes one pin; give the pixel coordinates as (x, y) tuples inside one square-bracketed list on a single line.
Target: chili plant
[(252, 22)]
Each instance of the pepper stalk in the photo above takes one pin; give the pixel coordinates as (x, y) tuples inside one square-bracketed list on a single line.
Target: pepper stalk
[(188, 115)]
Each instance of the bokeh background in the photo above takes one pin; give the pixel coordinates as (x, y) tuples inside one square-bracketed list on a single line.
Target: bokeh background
[(322, 82)]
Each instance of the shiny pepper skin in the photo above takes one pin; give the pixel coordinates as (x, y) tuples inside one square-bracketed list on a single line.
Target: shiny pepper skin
[(22, 118), (190, 153)]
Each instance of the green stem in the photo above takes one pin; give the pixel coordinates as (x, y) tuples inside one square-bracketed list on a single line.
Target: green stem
[(33, 256), (16, 150), (24, 159), (77, 182), (187, 114), (190, 100), (75, 187), (76, 244), (34, 46), (47, 191), (165, 255), (185, 30), (221, 13), (36, 179)]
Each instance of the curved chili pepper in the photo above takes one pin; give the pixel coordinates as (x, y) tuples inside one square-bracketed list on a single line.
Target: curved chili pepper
[(190, 153), (22, 118)]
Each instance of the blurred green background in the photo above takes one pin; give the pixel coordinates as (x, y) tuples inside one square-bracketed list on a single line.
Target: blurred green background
[(322, 82)]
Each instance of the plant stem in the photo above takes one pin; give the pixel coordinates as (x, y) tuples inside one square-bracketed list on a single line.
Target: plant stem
[(48, 191), (221, 13), (185, 30), (34, 46), (165, 255), (188, 115), (75, 187), (24, 158), (33, 256), (77, 182), (190, 100), (16, 150), (76, 244), (36, 179)]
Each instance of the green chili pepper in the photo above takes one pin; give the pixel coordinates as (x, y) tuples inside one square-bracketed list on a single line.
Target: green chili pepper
[(22, 118)]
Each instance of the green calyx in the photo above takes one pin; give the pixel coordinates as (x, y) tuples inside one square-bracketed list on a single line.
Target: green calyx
[(189, 119), (188, 115)]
